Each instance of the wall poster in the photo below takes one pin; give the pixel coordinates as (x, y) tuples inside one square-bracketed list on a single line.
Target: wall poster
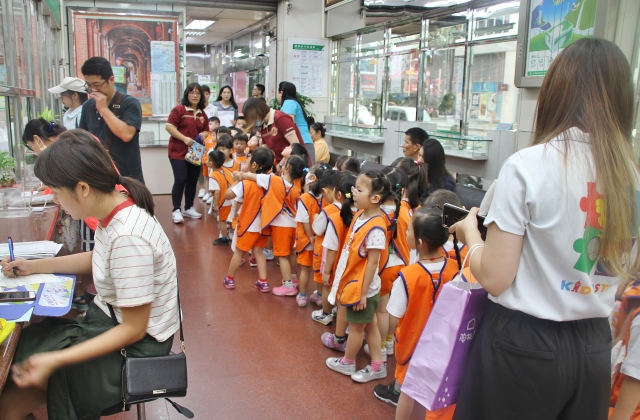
[(309, 66)]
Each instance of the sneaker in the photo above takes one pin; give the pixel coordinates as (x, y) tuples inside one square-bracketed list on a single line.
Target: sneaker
[(389, 347), (262, 286), (301, 300), (283, 291), (334, 363), (385, 393), (368, 353), (268, 254), (205, 196), (320, 317), (201, 193), (367, 375), (191, 212), (176, 216), (229, 283), (253, 262), (222, 241), (328, 341), (209, 200), (334, 311), (315, 298)]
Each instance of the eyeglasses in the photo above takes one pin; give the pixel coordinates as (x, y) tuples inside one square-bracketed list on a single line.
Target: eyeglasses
[(354, 191), (195, 93), (89, 88)]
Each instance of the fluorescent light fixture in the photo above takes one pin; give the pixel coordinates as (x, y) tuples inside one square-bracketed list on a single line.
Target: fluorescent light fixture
[(200, 24), (195, 33)]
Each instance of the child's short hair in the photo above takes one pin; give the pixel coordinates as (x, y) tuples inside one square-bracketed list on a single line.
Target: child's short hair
[(224, 140), (427, 227), (441, 197), (263, 157), (329, 179), (339, 161), (216, 157), (352, 165), (299, 150), (241, 137), (214, 119), (222, 130)]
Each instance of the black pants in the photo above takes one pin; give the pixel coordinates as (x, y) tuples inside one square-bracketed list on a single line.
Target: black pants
[(185, 181), (526, 368)]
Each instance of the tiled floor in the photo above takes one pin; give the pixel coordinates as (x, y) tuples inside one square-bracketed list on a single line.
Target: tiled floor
[(252, 355)]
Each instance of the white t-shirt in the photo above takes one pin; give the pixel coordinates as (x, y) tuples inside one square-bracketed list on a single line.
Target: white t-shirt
[(211, 111), (394, 259), (133, 264), (215, 186), (71, 119), (229, 164), (376, 239), (631, 364), (283, 219), (399, 300), (554, 207), (302, 216), (238, 190)]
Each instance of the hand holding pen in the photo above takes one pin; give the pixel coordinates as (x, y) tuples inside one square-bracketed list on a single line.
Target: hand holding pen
[(11, 255)]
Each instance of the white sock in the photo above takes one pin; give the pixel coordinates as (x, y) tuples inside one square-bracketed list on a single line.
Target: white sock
[(288, 284)]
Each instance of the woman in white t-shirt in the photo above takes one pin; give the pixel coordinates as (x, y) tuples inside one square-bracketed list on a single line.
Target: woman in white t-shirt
[(559, 241), (75, 366)]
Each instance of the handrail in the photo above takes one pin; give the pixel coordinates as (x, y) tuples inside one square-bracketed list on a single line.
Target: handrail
[(16, 91)]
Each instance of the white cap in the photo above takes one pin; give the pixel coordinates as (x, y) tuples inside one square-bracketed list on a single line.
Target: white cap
[(69, 83)]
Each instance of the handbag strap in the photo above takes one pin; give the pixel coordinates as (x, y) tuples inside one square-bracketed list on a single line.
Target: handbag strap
[(182, 345), (115, 108)]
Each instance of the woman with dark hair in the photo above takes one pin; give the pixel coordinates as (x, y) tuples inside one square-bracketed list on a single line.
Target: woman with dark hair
[(74, 367), (38, 134), (561, 237), (321, 149), (288, 99), (226, 104), (185, 123), (277, 129), (432, 153)]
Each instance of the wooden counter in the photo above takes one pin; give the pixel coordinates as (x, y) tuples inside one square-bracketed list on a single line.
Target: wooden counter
[(36, 227)]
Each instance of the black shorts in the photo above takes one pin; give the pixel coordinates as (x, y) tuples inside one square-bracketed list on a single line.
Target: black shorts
[(526, 368)]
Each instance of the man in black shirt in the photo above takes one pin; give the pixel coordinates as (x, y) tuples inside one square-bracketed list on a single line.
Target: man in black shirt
[(114, 118), (258, 91)]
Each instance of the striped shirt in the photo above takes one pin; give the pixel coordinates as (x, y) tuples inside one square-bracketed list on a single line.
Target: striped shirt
[(133, 265)]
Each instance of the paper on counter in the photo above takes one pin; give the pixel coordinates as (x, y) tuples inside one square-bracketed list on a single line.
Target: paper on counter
[(11, 282)]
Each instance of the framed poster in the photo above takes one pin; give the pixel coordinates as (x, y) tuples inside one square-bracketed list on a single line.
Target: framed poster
[(309, 66), (547, 27)]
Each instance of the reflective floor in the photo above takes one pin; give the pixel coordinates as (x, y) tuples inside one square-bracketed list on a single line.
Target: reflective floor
[(252, 355)]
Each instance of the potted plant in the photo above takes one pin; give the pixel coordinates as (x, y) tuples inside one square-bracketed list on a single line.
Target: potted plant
[(305, 101), (7, 174)]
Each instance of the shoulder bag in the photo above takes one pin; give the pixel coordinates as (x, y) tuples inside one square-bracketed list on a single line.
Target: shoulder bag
[(149, 378)]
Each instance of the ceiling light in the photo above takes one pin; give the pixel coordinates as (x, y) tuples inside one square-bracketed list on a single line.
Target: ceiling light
[(195, 33), (200, 24)]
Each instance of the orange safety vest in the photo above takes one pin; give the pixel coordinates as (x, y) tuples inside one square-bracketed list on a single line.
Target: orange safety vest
[(251, 204), (422, 287), (405, 204), (452, 253), (309, 202), (240, 159), (326, 211), (234, 168), (618, 377), (350, 288), (398, 244), (220, 176), (341, 232), (279, 198)]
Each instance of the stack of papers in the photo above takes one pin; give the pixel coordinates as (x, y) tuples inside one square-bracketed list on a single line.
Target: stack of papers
[(31, 250), (15, 282)]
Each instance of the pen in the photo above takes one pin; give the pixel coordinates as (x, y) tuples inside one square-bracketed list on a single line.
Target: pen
[(11, 256)]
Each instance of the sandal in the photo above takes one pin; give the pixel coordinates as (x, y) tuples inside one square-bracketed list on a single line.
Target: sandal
[(79, 304)]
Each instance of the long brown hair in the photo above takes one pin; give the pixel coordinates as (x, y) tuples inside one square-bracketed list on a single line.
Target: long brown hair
[(254, 109), (589, 86), (78, 156)]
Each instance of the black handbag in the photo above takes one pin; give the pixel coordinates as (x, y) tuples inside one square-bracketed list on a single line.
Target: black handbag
[(149, 378)]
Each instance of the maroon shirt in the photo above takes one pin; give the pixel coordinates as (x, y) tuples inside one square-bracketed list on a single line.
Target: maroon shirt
[(189, 124), (273, 133)]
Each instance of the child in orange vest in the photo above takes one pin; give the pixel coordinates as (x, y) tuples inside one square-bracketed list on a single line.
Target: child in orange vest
[(308, 207), (218, 185), (358, 287), (456, 251), (249, 235), (225, 145), (412, 299), (625, 391), (333, 242), (327, 185), (209, 145), (398, 253), (278, 216), (239, 147)]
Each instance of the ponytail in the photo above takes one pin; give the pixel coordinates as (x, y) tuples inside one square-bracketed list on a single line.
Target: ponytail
[(398, 180), (139, 193), (417, 175), (346, 181)]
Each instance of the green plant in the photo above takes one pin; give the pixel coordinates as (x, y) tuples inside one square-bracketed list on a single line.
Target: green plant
[(305, 101), (47, 114), (7, 174)]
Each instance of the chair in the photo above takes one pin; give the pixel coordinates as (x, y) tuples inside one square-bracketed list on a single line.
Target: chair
[(469, 196)]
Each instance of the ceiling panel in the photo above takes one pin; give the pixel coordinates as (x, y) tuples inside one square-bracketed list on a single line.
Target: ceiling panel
[(228, 22)]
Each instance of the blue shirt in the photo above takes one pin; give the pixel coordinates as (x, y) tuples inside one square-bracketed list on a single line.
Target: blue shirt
[(293, 108)]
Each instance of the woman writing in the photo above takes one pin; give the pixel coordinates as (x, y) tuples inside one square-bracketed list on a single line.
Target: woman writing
[(38, 134), (75, 367), (226, 105), (561, 231), (277, 129), (288, 99), (185, 122)]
